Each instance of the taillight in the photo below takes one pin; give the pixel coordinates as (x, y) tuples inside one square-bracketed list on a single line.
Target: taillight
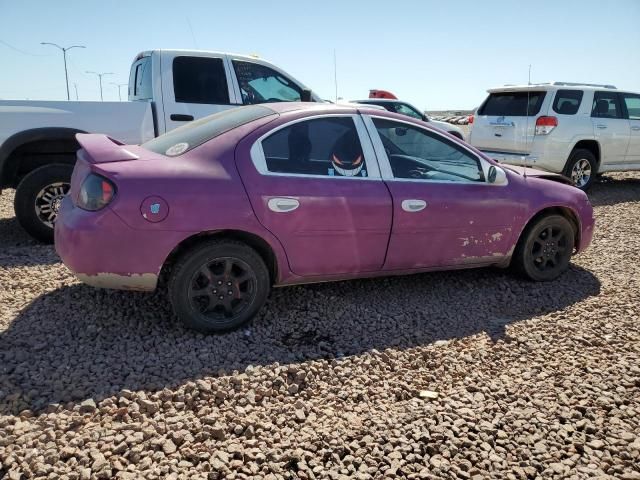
[(470, 119), (96, 192), (544, 125)]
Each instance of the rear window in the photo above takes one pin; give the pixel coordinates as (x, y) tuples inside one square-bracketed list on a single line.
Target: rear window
[(189, 136), (512, 104), (567, 102)]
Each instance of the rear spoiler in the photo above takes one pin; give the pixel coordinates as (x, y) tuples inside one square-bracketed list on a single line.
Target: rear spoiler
[(100, 148)]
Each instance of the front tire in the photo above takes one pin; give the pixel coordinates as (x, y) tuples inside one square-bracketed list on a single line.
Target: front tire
[(545, 248), (38, 198), (582, 168), (218, 286)]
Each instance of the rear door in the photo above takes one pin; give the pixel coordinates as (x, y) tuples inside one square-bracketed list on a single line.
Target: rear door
[(194, 86), (631, 103), (610, 128), (505, 122), (315, 184)]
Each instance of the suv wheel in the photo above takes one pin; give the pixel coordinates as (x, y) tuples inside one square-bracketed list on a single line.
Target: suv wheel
[(582, 168), (218, 286), (38, 198)]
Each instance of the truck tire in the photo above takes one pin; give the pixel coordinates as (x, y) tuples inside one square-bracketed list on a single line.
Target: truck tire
[(582, 168), (38, 198)]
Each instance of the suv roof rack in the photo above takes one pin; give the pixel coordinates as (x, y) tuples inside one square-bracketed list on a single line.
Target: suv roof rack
[(580, 84)]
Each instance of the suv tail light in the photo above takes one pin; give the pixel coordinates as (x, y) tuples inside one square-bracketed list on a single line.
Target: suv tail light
[(96, 192), (470, 119), (545, 125)]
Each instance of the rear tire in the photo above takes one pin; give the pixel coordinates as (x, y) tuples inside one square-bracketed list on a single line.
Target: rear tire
[(218, 286), (38, 197), (545, 248), (582, 168)]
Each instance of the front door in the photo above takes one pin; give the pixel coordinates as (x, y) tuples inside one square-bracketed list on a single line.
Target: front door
[(445, 213), (315, 184), (194, 86), (632, 108), (610, 127)]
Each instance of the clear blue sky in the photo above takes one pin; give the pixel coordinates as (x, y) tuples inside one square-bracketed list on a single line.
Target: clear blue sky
[(436, 54)]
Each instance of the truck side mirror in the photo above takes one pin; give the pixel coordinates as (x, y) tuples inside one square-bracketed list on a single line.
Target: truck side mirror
[(305, 96)]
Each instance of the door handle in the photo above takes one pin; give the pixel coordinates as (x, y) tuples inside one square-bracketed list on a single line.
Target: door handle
[(635, 127), (179, 117), (413, 205), (601, 126), (282, 204)]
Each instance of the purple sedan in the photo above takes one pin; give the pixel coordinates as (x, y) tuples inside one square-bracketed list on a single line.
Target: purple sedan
[(279, 194)]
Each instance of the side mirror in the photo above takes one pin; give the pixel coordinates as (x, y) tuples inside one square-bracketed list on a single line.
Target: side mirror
[(497, 176), (305, 96)]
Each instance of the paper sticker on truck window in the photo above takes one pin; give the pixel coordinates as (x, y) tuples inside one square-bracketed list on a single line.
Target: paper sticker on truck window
[(177, 149)]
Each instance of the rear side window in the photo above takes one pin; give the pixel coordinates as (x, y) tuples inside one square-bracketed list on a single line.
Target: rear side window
[(512, 104), (567, 102), (606, 105), (260, 84), (324, 147), (189, 136), (200, 80)]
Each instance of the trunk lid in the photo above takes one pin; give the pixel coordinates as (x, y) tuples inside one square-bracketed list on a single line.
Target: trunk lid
[(501, 124)]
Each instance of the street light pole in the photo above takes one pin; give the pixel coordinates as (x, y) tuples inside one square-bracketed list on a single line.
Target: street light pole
[(64, 56), (100, 80), (119, 85)]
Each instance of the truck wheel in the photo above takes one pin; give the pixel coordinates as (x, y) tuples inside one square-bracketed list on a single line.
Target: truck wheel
[(218, 286), (38, 198), (582, 168)]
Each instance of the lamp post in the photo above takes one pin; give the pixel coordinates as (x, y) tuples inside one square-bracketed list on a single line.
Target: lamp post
[(64, 56), (100, 80), (119, 85)]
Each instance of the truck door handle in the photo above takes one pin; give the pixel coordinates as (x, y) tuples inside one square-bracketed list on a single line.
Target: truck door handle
[(601, 126), (413, 205), (282, 204), (635, 127), (178, 117)]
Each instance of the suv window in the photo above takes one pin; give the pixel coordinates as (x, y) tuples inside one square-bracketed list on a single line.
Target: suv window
[(189, 136), (327, 147), (141, 79), (200, 80), (420, 154), (259, 84), (567, 102), (632, 102), (605, 105), (512, 104)]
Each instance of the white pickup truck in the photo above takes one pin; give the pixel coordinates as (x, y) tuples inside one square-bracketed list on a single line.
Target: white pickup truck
[(166, 89)]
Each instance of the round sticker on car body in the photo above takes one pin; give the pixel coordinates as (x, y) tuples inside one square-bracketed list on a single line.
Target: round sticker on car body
[(177, 149)]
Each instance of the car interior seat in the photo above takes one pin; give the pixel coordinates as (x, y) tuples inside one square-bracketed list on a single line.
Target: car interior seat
[(602, 108)]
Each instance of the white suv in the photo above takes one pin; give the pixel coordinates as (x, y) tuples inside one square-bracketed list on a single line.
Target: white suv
[(575, 129)]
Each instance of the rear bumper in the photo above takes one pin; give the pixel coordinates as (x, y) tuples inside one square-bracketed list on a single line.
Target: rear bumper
[(533, 160), (102, 251)]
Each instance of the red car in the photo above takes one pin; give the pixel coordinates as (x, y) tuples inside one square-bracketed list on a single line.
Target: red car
[(278, 194)]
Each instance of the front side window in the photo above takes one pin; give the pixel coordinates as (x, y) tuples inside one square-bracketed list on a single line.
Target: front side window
[(567, 102), (418, 154), (512, 104), (260, 84), (407, 110), (200, 80), (605, 105), (632, 102), (324, 147)]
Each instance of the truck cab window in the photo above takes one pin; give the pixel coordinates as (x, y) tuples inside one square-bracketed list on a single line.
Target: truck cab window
[(141, 73), (260, 84), (200, 80)]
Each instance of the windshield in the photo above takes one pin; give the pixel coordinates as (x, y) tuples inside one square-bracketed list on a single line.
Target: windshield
[(185, 138)]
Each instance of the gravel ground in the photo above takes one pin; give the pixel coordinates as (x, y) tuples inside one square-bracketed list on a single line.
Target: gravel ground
[(467, 375)]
